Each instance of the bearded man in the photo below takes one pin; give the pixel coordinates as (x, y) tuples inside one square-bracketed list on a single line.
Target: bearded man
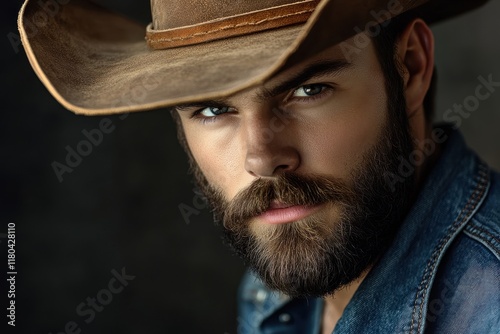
[(308, 125)]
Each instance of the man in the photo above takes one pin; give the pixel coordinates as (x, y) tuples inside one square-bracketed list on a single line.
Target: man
[(312, 140)]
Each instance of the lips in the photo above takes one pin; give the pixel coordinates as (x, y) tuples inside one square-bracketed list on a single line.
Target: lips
[(283, 213)]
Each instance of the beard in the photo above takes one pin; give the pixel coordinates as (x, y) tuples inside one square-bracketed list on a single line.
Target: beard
[(329, 249)]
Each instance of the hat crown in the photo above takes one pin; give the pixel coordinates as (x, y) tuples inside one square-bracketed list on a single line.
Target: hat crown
[(170, 14)]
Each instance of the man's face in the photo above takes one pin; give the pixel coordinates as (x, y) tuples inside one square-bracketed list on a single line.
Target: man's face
[(295, 170)]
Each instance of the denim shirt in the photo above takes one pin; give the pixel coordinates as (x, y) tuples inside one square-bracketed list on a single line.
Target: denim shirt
[(440, 275)]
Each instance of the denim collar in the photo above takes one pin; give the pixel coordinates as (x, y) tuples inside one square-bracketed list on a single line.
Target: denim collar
[(398, 287)]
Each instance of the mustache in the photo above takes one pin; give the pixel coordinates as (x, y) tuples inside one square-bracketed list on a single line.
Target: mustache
[(287, 188)]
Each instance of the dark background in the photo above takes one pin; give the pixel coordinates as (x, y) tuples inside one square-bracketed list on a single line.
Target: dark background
[(120, 206)]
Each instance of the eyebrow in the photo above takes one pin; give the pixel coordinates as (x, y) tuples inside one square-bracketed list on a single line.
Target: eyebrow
[(317, 69), (314, 70)]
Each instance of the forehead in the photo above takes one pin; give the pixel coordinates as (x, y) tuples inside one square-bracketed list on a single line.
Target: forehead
[(349, 51), (346, 57), (342, 58)]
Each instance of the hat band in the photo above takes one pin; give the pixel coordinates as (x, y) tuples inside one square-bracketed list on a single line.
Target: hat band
[(232, 26)]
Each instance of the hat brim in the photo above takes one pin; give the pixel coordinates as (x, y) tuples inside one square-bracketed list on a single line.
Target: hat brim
[(95, 62)]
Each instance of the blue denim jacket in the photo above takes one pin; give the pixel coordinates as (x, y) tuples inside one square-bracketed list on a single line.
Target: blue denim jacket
[(441, 274)]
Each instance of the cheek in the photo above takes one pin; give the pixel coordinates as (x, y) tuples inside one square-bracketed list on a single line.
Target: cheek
[(217, 156), (335, 144)]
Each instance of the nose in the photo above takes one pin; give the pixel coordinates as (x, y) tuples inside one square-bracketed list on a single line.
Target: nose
[(269, 150)]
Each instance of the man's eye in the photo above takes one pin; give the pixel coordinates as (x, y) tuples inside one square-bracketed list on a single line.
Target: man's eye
[(309, 90), (214, 111)]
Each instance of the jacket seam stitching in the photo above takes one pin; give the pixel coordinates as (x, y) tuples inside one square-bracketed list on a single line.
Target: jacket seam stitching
[(483, 230), (477, 193), (476, 232)]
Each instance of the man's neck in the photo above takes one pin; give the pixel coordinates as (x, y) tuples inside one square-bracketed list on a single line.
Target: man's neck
[(431, 153), (337, 302)]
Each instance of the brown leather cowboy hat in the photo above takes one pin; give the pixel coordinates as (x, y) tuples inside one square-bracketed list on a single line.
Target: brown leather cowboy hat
[(96, 62)]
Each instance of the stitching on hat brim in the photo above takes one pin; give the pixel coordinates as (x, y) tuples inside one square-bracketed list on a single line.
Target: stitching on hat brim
[(159, 40), (232, 26)]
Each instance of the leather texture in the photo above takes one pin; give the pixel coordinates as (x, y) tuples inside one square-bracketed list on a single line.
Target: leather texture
[(170, 14), (96, 62), (231, 26)]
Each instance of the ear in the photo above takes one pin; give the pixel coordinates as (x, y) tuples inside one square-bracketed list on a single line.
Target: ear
[(415, 49)]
